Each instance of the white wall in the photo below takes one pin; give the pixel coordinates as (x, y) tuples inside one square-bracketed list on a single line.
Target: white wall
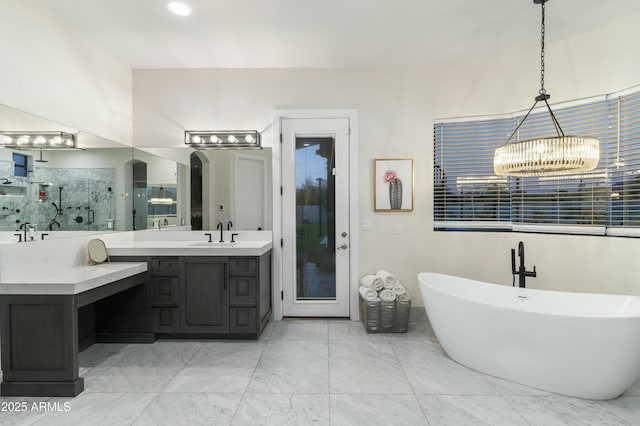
[(396, 111), (50, 71)]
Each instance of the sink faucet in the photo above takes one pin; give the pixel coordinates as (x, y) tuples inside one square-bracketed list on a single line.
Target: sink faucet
[(221, 228), (229, 225), (522, 271), (25, 227)]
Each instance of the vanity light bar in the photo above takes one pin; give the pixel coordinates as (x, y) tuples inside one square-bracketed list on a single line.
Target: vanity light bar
[(37, 140), (222, 139)]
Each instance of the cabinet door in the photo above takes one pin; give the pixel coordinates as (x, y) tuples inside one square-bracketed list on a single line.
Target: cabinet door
[(204, 295)]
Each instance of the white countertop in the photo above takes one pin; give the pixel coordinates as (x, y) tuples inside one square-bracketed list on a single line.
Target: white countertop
[(72, 280), (188, 248)]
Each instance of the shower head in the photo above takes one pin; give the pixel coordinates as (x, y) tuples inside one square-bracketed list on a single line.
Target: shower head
[(6, 181)]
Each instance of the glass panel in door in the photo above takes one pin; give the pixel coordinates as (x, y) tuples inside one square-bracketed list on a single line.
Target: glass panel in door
[(315, 218)]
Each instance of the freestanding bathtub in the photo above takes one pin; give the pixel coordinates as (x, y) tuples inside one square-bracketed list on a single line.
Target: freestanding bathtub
[(581, 345)]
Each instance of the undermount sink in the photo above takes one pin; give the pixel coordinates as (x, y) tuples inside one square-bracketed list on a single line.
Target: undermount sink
[(215, 244)]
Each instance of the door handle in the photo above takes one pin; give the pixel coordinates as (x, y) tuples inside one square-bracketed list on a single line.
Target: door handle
[(344, 246)]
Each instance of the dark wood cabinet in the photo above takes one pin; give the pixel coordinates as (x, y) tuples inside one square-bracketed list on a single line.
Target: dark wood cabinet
[(204, 284), (208, 296)]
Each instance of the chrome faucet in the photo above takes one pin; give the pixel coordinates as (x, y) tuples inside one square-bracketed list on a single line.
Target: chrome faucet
[(522, 272), (221, 228)]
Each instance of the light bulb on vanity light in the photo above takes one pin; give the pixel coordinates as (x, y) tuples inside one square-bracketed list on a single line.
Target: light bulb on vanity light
[(196, 139), (214, 139), (232, 139), (57, 140), (249, 139)]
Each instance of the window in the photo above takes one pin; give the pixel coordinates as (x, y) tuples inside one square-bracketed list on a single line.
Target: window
[(469, 196), (19, 165)]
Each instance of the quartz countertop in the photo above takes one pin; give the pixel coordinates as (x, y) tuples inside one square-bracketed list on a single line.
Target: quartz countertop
[(188, 248), (72, 280)]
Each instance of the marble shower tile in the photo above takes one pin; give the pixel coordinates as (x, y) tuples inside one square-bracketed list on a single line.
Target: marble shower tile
[(432, 372), (565, 411), (300, 330), (363, 366), (283, 410), (471, 410), (190, 409), (100, 409), (369, 410), (219, 367), (292, 366)]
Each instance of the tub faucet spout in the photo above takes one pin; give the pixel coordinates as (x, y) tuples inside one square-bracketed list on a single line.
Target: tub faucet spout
[(521, 272)]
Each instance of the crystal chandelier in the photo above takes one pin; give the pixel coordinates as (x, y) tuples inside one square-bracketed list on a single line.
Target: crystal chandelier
[(546, 156)]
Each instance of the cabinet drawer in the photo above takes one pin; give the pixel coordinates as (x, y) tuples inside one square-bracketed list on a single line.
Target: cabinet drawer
[(165, 320), (164, 290), (164, 266), (243, 321), (243, 266)]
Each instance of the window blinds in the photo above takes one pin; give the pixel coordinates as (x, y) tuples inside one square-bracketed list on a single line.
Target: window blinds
[(468, 195)]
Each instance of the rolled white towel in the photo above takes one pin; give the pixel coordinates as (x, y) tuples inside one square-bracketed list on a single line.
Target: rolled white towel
[(398, 289), (372, 281), (388, 279), (369, 294), (387, 295), (404, 297)]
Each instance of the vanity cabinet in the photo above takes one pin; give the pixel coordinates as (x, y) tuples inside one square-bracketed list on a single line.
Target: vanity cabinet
[(208, 296)]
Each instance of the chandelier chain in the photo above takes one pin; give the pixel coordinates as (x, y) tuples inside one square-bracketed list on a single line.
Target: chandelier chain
[(542, 31)]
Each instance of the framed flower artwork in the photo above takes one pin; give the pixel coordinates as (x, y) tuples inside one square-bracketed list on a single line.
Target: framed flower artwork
[(393, 184)]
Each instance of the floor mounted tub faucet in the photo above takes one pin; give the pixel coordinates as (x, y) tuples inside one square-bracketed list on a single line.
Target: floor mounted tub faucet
[(521, 272)]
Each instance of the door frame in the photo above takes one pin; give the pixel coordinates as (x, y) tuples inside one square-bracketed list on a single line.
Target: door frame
[(352, 116)]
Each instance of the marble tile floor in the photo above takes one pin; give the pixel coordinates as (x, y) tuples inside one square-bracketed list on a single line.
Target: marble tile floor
[(304, 372)]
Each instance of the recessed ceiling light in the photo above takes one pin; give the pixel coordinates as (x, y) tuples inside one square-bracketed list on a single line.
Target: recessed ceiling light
[(179, 9)]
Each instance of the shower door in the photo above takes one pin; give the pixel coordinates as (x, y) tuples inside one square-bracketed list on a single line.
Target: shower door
[(315, 205)]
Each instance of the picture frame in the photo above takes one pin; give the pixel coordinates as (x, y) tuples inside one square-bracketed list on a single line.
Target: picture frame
[(393, 185)]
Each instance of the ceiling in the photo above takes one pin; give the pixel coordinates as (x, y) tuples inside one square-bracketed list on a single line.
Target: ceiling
[(323, 33)]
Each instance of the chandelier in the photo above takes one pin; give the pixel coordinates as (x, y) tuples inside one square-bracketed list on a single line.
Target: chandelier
[(546, 156)]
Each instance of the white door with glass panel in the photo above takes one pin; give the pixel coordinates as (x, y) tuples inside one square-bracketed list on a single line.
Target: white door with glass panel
[(315, 209)]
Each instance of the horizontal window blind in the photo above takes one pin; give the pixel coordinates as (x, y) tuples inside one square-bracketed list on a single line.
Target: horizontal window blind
[(468, 195)]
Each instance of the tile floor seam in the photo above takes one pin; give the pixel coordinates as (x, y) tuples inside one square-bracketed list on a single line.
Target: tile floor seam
[(246, 388), (145, 408), (413, 391), (181, 368), (401, 366), (516, 410)]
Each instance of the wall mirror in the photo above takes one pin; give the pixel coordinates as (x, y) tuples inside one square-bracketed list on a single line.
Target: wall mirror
[(58, 190), (232, 187)]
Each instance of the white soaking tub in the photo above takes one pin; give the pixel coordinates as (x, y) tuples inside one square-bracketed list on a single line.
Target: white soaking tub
[(581, 345)]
